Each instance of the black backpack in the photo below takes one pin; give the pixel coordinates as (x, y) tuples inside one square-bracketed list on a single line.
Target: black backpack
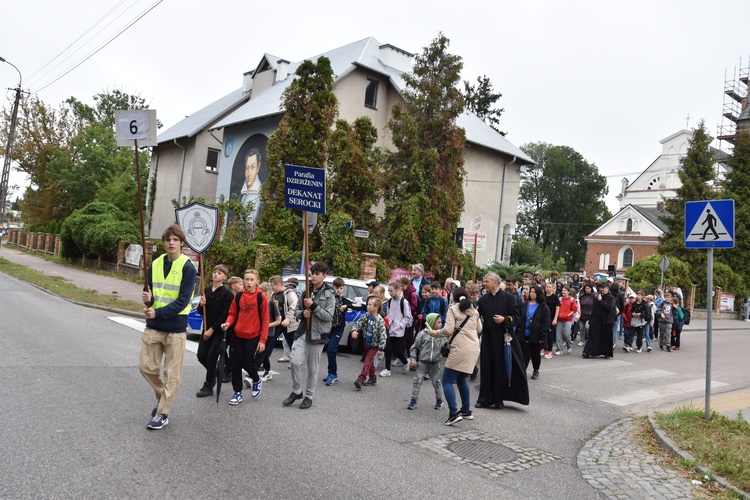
[(237, 302)]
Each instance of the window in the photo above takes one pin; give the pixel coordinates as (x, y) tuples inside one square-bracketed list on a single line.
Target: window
[(212, 160), (371, 94), (627, 258), (629, 225), (603, 261)]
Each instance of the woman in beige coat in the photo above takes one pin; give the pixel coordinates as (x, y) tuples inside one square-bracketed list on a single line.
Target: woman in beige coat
[(463, 354)]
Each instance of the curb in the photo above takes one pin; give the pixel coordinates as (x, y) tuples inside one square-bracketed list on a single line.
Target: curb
[(115, 310), (669, 445)]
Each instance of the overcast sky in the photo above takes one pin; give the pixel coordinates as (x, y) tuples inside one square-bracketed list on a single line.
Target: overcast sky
[(609, 79)]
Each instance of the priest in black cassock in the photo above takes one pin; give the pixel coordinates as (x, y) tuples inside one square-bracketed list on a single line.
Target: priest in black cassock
[(500, 314)]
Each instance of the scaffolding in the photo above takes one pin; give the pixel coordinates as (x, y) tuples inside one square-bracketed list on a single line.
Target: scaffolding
[(735, 99)]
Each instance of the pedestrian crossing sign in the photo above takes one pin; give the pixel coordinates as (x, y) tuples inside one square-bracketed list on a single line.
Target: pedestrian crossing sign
[(709, 224)]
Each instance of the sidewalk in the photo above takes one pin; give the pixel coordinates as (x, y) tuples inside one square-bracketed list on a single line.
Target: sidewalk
[(610, 461)]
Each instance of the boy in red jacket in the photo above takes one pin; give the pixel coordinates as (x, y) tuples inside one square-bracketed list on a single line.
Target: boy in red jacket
[(249, 315)]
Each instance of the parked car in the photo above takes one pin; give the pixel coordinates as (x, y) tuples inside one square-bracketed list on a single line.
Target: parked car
[(195, 320)]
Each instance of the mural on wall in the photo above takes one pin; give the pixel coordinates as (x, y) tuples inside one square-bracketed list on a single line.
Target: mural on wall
[(249, 172)]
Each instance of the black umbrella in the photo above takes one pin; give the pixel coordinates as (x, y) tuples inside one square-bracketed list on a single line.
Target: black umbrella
[(221, 363)]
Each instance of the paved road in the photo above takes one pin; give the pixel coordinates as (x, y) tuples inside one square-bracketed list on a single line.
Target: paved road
[(75, 409)]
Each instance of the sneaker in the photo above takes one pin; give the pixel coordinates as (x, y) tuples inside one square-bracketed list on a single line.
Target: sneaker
[(236, 399), (669, 348), (412, 404), (648, 349), (557, 353), (580, 344), (676, 348), (331, 379), (406, 368), (283, 359), (266, 376), (397, 363), (371, 382), (626, 348), (638, 350), (291, 399), (427, 376), (548, 355), (466, 415), (257, 386), (157, 422), (661, 347), (205, 391), (385, 373), (439, 405), (453, 418), (570, 349), (535, 375), (542, 352), (248, 381), (358, 384)]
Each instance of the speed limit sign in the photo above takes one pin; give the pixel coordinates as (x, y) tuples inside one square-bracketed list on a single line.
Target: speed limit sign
[(136, 125)]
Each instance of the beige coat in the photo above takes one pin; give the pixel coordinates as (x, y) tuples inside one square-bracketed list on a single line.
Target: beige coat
[(465, 347)]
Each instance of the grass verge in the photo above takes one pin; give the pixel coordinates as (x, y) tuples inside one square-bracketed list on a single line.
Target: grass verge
[(721, 444), (59, 286)]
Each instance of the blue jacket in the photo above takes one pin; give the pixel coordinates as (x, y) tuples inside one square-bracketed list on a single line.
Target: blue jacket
[(435, 305)]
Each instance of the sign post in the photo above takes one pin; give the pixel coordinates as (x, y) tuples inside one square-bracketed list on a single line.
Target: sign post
[(130, 127), (663, 265), (709, 224), (477, 227), (305, 189)]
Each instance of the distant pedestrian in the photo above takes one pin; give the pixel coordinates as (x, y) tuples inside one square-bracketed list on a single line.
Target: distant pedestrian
[(372, 327), (171, 281), (666, 318), (532, 328)]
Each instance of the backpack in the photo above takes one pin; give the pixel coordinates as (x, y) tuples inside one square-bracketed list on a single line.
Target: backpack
[(680, 313), (237, 303), (338, 316), (647, 314), (402, 304), (686, 319)]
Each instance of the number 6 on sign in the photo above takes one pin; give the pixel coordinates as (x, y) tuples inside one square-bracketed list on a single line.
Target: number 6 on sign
[(136, 125)]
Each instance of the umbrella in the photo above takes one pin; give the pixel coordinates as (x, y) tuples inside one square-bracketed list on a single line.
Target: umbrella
[(508, 356), (221, 363)]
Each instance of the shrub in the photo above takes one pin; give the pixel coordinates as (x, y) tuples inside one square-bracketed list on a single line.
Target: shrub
[(95, 229)]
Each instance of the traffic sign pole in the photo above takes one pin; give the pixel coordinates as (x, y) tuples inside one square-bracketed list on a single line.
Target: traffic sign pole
[(709, 332)]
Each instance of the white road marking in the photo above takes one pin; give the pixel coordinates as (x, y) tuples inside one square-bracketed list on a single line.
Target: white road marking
[(646, 374), (139, 326), (680, 388), (595, 363)]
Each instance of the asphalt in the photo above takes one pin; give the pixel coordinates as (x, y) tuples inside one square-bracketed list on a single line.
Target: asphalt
[(611, 462)]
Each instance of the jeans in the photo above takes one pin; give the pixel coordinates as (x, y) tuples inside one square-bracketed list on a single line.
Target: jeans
[(614, 333), (333, 347), (629, 336), (647, 333), (451, 377)]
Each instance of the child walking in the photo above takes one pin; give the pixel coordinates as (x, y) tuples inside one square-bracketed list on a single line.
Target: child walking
[(215, 299), (372, 327), (425, 355)]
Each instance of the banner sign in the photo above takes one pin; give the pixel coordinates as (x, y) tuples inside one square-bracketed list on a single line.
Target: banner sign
[(200, 223), (305, 188)]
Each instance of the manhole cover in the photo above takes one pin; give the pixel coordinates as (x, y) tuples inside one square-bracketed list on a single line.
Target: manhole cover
[(482, 451)]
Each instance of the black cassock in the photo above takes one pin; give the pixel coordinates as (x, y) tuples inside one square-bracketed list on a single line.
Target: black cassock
[(599, 342), (494, 387)]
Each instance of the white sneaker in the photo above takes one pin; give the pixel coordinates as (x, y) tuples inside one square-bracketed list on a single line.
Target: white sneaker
[(637, 350), (396, 363), (558, 353), (248, 382), (266, 376), (283, 359), (569, 349), (385, 373), (580, 344)]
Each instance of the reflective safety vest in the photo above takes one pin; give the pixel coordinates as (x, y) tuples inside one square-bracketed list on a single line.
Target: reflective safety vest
[(166, 290)]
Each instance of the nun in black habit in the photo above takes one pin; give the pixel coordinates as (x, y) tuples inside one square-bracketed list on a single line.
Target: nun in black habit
[(500, 315)]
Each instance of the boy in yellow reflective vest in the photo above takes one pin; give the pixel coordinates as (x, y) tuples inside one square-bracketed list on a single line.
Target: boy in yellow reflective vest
[(171, 281)]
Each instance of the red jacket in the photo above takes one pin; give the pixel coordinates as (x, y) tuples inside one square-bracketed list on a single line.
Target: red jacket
[(250, 324), (567, 305), (627, 314)]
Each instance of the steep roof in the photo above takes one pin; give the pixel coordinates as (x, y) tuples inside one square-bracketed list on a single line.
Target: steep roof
[(653, 216), (203, 118), (363, 53)]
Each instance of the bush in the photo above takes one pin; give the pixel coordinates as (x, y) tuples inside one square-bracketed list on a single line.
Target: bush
[(646, 274), (94, 231)]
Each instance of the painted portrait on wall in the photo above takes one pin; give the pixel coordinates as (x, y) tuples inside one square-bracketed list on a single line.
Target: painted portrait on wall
[(250, 171)]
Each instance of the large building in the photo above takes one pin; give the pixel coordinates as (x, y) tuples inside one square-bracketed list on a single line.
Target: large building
[(231, 136)]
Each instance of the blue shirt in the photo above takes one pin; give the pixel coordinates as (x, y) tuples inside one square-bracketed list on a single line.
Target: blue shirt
[(530, 314)]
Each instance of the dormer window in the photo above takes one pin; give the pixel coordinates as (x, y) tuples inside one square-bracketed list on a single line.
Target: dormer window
[(371, 94)]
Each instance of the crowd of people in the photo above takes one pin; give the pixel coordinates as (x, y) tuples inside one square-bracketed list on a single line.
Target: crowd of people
[(448, 334)]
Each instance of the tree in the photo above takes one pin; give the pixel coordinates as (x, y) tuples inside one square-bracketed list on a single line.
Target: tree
[(561, 200), (424, 175), (696, 174), (301, 139), (525, 251), (355, 173), (95, 229), (481, 101), (737, 188)]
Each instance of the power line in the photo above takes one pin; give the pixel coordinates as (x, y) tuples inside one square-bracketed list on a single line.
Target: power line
[(33, 74), (90, 55)]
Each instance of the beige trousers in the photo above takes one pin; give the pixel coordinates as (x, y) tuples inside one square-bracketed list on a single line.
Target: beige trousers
[(156, 345)]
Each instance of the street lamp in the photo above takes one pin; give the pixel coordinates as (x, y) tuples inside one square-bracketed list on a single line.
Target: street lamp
[(9, 146)]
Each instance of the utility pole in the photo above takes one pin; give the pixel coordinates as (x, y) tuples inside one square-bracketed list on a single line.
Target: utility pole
[(9, 145)]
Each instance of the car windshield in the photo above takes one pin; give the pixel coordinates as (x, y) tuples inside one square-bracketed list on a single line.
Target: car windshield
[(351, 292)]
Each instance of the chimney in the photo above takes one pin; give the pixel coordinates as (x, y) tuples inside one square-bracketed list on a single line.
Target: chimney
[(247, 82), (282, 70), (659, 206)]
